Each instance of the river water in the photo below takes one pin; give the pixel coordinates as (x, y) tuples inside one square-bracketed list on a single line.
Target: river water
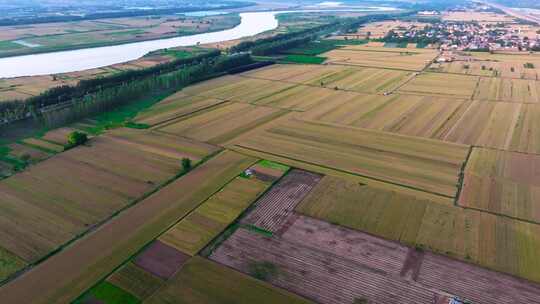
[(252, 23)]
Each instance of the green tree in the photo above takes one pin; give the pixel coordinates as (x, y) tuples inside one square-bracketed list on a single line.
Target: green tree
[(186, 164), (77, 138)]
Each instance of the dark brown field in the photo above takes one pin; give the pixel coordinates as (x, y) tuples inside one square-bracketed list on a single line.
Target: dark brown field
[(161, 260)]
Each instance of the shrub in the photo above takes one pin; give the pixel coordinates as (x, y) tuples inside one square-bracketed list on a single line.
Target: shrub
[(263, 271), (77, 138)]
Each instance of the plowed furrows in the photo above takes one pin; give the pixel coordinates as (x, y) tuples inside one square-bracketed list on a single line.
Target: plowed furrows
[(474, 283), (319, 275), (356, 246), (273, 209)]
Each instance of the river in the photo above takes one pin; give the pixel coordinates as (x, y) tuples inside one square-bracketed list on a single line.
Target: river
[(252, 23)]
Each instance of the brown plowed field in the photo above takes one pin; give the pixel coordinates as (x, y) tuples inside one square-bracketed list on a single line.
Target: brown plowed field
[(276, 205), (331, 264)]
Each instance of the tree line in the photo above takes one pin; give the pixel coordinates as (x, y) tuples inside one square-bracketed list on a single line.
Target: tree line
[(67, 103), (282, 42)]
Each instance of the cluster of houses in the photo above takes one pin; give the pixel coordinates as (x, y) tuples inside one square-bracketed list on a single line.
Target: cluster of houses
[(473, 36)]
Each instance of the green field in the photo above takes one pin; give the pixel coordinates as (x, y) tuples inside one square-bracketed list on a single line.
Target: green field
[(304, 59)]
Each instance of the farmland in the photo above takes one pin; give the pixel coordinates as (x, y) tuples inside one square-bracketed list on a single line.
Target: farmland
[(365, 152), (460, 233), (449, 85), (366, 179), (381, 57), (111, 181), (228, 286), (90, 33), (503, 183), (201, 226)]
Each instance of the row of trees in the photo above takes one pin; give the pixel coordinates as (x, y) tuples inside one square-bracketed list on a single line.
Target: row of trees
[(111, 97), (17, 109), (66, 104), (281, 42)]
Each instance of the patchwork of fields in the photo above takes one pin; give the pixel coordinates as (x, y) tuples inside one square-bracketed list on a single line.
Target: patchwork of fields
[(434, 174)]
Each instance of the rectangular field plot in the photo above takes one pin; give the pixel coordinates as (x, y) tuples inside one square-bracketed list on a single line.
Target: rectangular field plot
[(423, 116), (274, 208), (202, 225), (136, 281), (205, 282), (517, 66), (381, 57), (506, 89), (335, 265), (237, 88), (288, 71), (47, 205), (502, 182), (303, 98), (491, 241), (364, 80), (175, 106), (440, 84), (500, 125), (418, 163), (223, 123)]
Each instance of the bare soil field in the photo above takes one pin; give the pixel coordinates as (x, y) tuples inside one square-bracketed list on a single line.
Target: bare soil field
[(70, 272), (504, 183), (383, 156), (381, 57), (488, 240), (332, 264), (274, 208), (161, 260)]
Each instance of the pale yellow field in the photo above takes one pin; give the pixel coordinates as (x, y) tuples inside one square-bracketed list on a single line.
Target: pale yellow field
[(423, 164), (520, 66), (440, 84), (381, 57), (221, 123), (501, 182), (507, 89), (423, 116)]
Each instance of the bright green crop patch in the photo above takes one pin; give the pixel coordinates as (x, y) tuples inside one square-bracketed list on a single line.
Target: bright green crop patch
[(304, 59), (108, 294), (9, 264), (273, 165)]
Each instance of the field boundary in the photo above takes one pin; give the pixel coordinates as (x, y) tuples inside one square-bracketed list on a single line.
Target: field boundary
[(172, 225), (342, 171), (106, 220)]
